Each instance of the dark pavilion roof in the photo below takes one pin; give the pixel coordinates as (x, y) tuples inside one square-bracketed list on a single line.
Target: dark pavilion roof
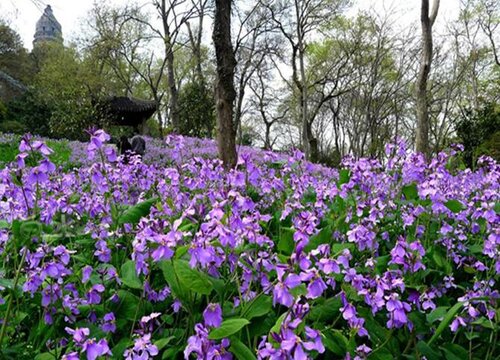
[(131, 105), (129, 111)]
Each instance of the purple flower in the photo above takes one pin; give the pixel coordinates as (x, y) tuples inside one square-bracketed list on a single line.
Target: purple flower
[(93, 296), (41, 148), (281, 291), (212, 315), (142, 350), (71, 356), (109, 324), (79, 334), (176, 305), (94, 348), (200, 345), (86, 272), (456, 323), (37, 175)]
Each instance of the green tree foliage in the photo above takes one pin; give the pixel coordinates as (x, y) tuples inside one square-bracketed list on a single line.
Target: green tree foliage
[(14, 58), (196, 110), (63, 86), (30, 113), (479, 132)]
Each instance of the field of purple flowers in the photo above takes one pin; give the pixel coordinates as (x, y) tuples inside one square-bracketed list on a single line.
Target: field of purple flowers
[(172, 257)]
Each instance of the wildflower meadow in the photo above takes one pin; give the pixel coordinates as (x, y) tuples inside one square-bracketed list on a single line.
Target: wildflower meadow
[(174, 257)]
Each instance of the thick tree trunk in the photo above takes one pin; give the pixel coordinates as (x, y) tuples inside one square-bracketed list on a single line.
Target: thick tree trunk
[(224, 90), (422, 136)]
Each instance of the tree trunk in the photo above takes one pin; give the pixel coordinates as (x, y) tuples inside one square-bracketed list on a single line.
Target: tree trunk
[(422, 136), (224, 90), (172, 87)]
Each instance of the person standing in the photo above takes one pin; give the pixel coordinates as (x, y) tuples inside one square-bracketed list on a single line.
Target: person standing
[(138, 145)]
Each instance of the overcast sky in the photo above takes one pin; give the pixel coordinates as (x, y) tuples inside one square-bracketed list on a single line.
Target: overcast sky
[(23, 14)]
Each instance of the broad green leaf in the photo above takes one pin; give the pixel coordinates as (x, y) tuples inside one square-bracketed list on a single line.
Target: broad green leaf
[(410, 191), (285, 242), (167, 269), (31, 228), (335, 341), (326, 311), (454, 205), (454, 352), (344, 177), (129, 276), (135, 213), (240, 350), (429, 352), (4, 224), (192, 279), (228, 328), (127, 306), (259, 306), (323, 237), (380, 354), (160, 344), (173, 352), (122, 345), (338, 248)]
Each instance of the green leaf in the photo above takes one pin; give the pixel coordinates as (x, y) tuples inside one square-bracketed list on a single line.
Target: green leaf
[(227, 328), (129, 276), (310, 195), (448, 318), (335, 341), (127, 307), (160, 344), (4, 224), (285, 242), (192, 279), (259, 306), (240, 350), (344, 177), (135, 213), (410, 191), (277, 326), (429, 353), (171, 353), (45, 356), (454, 352), (167, 269), (454, 205), (338, 248), (29, 229), (381, 354), (122, 345), (323, 237), (437, 313), (326, 311)]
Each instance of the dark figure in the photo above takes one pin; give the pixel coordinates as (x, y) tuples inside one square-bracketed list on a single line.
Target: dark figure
[(138, 145), (124, 145)]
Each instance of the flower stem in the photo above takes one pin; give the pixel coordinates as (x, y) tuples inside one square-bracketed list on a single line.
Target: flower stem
[(11, 299)]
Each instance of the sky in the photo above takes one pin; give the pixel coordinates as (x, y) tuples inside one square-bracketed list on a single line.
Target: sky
[(22, 15)]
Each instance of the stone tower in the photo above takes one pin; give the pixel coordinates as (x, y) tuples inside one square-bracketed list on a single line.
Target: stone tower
[(48, 28)]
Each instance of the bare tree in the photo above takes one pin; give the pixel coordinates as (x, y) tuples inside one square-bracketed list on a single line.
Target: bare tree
[(225, 93), (296, 21), (267, 103), (427, 21)]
